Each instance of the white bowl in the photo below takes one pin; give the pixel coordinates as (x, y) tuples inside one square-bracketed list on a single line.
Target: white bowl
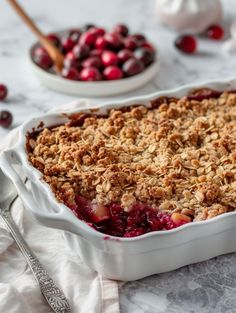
[(92, 89), (120, 258)]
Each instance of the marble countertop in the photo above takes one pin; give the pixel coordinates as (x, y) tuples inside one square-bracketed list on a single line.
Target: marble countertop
[(205, 287)]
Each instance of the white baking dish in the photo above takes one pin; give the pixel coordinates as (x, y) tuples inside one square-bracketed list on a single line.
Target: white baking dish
[(121, 258)]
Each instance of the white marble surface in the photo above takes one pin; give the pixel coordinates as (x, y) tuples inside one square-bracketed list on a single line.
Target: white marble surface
[(206, 287)]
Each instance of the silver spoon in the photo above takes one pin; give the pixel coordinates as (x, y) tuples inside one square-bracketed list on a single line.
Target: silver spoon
[(54, 296)]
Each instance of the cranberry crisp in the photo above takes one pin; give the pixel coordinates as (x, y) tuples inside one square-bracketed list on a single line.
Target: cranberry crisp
[(139, 170)]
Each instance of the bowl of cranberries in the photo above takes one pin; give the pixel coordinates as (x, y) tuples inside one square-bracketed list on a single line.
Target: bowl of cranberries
[(97, 62)]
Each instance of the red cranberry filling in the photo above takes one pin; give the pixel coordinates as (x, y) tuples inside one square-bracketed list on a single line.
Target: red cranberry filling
[(113, 220)]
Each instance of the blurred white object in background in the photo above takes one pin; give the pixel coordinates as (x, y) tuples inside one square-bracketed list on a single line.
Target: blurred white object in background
[(189, 15), (230, 45)]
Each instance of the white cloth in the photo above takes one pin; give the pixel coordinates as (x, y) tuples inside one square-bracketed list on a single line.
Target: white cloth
[(86, 290)]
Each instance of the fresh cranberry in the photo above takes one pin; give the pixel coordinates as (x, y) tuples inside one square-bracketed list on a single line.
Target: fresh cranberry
[(96, 52), (130, 43), (88, 38), (42, 58), (140, 38), (186, 44), (67, 44), (114, 40), (3, 92), (87, 27), (109, 58), (215, 32), (148, 45), (75, 34), (121, 29), (70, 73), (97, 31), (92, 62), (132, 67), (145, 55), (81, 51), (90, 74), (101, 43), (124, 55), (5, 119), (70, 60), (54, 39), (112, 72)]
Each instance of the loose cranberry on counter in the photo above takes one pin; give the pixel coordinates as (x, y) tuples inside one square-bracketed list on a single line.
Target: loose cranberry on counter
[(67, 44), (81, 51), (5, 119), (3, 92), (124, 55), (101, 43), (130, 43), (186, 44), (54, 39), (215, 32), (144, 55), (109, 58), (132, 67), (121, 29), (42, 58), (112, 72), (94, 61), (70, 73), (114, 40), (88, 38), (90, 74)]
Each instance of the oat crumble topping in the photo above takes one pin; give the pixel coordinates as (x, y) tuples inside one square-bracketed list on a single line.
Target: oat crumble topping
[(179, 157)]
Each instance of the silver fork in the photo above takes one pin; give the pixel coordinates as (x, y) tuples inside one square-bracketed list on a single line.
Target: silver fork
[(54, 296)]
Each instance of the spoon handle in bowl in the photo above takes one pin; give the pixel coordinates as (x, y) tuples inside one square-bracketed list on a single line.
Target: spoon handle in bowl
[(54, 296)]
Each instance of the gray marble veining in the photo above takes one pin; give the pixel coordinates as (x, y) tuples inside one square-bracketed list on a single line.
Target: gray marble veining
[(201, 288)]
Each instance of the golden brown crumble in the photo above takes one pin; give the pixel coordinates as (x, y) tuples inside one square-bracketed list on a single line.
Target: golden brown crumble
[(179, 157)]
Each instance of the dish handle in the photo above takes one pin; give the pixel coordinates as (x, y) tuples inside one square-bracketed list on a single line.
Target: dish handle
[(60, 220)]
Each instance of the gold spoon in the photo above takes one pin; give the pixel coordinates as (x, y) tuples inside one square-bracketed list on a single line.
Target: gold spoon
[(53, 51)]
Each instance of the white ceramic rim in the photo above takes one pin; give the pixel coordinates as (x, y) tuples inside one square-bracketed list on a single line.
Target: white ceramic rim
[(228, 84)]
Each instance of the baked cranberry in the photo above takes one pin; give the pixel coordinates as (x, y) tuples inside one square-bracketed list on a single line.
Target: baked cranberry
[(70, 73), (109, 58), (145, 55), (112, 72), (132, 67), (90, 74), (54, 39), (5, 119), (130, 43), (42, 58), (3, 92), (215, 32), (114, 40), (134, 233), (101, 43), (81, 51), (186, 44), (97, 31), (70, 60), (124, 55), (121, 29), (67, 44), (96, 52), (148, 45), (140, 38), (88, 38), (92, 62)]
